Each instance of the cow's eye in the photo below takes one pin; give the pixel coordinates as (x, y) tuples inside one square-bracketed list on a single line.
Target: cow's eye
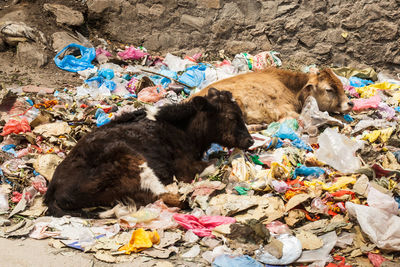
[(329, 89)]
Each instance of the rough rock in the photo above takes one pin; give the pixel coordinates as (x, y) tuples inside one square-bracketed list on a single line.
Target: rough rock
[(65, 15), (383, 30), (31, 54), (62, 39), (209, 4), (236, 47), (156, 10), (195, 22), (99, 6)]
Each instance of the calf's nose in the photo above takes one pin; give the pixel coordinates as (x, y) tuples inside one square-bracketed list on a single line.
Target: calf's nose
[(249, 142), (350, 103)]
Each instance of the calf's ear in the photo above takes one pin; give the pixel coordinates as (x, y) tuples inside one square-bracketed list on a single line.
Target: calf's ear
[(306, 91), (213, 92), (200, 103)]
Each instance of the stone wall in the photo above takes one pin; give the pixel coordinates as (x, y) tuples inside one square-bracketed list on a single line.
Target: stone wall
[(325, 32), (341, 32)]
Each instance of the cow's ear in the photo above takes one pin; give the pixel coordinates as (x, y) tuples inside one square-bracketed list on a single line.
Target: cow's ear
[(213, 92), (306, 91), (200, 103)]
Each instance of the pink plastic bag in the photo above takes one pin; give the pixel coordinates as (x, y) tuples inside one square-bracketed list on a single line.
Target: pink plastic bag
[(376, 259), (101, 51), (151, 94), (202, 226), (278, 228), (352, 91), (16, 126), (39, 183), (366, 103), (132, 53)]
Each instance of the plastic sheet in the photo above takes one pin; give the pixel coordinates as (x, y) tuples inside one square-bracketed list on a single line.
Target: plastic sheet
[(308, 171), (140, 241), (193, 76), (176, 64), (376, 259), (381, 227), (366, 103), (72, 63), (101, 117), (132, 53), (321, 254), (358, 82), (16, 126), (239, 261), (201, 226), (151, 94), (291, 251), (338, 151), (384, 202), (312, 117)]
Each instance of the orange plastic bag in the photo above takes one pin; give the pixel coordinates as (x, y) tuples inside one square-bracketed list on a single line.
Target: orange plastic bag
[(151, 94)]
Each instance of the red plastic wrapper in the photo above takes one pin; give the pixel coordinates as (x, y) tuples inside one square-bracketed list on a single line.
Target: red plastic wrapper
[(16, 126), (202, 226), (16, 197), (151, 94)]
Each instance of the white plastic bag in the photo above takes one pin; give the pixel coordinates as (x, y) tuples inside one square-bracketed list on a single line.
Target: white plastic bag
[(379, 200), (381, 227), (338, 151), (176, 63), (291, 251)]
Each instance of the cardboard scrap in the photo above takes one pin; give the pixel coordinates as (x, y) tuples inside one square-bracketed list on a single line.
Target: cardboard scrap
[(309, 240)]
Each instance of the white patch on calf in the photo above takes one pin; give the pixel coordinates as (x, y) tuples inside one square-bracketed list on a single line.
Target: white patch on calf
[(151, 112), (149, 181)]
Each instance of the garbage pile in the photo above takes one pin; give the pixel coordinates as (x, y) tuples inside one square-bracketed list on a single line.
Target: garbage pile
[(321, 190)]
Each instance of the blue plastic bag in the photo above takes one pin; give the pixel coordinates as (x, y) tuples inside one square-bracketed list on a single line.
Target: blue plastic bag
[(239, 261), (348, 118), (285, 132), (308, 171), (73, 64), (300, 144), (193, 76), (10, 149), (106, 73), (101, 117), (111, 85), (358, 82)]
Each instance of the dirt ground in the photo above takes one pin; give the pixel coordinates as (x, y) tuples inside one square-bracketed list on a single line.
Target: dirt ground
[(37, 253)]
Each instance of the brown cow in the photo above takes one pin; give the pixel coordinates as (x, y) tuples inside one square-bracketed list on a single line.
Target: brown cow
[(274, 94)]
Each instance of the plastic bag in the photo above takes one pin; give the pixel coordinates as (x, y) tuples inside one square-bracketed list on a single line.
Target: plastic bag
[(286, 132), (101, 117), (193, 76), (311, 116), (132, 53), (151, 94), (266, 59), (278, 228), (366, 103), (338, 151), (376, 259), (291, 251), (358, 82), (379, 200), (16, 126), (381, 227), (238, 261), (175, 63), (308, 171), (72, 63), (106, 73), (3, 200), (202, 226)]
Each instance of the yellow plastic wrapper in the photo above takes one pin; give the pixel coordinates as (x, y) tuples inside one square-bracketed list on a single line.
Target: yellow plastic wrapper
[(140, 240), (383, 135), (341, 183), (370, 90)]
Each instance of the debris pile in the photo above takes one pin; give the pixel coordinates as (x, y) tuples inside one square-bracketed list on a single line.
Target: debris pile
[(320, 190)]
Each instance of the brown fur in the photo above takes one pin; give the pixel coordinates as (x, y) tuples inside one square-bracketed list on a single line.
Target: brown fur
[(274, 94)]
